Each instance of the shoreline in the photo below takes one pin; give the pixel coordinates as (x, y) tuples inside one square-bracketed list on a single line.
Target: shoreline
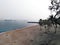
[(31, 35), (24, 36), (20, 28)]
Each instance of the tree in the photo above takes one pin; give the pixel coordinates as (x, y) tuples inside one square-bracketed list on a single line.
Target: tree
[(55, 7)]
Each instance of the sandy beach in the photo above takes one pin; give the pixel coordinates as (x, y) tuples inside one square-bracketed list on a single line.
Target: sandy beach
[(32, 35)]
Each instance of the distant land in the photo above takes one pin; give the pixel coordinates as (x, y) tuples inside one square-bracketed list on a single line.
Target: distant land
[(7, 20)]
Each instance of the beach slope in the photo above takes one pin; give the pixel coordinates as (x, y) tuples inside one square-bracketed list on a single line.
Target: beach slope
[(25, 36), (33, 35)]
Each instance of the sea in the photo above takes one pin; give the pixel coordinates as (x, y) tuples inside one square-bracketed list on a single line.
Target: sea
[(7, 25)]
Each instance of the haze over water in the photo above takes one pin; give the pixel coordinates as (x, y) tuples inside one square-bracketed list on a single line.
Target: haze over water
[(24, 9), (31, 10)]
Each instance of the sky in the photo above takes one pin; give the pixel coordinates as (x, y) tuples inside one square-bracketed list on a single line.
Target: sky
[(24, 9)]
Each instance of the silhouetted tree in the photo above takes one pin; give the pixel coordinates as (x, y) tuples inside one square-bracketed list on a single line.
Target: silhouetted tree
[(40, 22), (55, 6)]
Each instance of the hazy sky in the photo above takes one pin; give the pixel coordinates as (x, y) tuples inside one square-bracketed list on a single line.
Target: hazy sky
[(24, 9)]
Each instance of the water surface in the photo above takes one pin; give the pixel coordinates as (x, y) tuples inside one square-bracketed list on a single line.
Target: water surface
[(12, 25)]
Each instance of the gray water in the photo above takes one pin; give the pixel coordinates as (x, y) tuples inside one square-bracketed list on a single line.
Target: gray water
[(12, 25)]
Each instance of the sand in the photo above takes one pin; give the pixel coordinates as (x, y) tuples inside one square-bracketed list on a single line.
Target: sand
[(33, 35)]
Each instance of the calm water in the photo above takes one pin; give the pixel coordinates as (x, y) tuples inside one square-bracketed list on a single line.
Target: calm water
[(12, 25)]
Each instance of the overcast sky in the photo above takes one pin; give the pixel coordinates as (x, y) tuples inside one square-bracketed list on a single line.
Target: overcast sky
[(24, 9)]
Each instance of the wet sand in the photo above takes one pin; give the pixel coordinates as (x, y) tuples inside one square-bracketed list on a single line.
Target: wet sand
[(33, 35)]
